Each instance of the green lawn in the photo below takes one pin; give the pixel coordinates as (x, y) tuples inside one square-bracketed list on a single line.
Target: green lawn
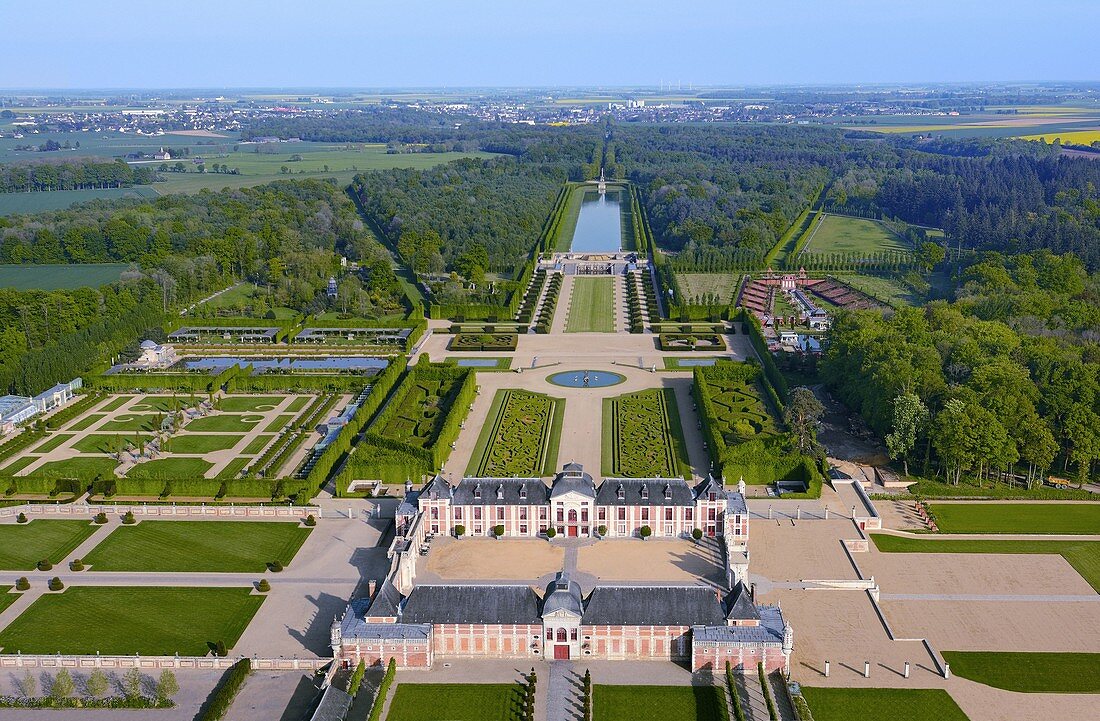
[(171, 467), (592, 305), (642, 437), (841, 234), (163, 404), (133, 422), (108, 442), (257, 444), (7, 598), (882, 704), (658, 703), (456, 702), (242, 404), (225, 423), (234, 468), (53, 277), (54, 441), (298, 403), (116, 403), (568, 225), (1029, 672), (152, 621), (197, 443), (22, 545), (1084, 556), (723, 286), (87, 422), (520, 437), (1063, 518), (78, 468), (279, 423), (198, 546)]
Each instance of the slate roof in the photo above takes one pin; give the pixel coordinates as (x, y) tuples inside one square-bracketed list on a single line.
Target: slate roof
[(769, 631), (653, 606), (471, 604), (572, 479), (735, 503), (387, 600), (708, 484), (500, 492), (680, 493), (563, 593), (739, 606), (395, 631)]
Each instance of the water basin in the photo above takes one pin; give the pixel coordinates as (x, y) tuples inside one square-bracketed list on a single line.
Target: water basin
[(586, 379)]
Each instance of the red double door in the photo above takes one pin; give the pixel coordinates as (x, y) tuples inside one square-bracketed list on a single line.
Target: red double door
[(561, 653)]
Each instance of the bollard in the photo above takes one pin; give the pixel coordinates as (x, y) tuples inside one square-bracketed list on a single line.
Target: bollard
[(349, 511), (853, 513), (769, 513), (866, 669), (946, 670), (826, 511), (798, 512), (906, 669), (826, 669)]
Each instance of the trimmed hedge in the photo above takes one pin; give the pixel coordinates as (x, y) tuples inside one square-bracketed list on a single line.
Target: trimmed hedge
[(484, 342), (751, 326), (217, 706)]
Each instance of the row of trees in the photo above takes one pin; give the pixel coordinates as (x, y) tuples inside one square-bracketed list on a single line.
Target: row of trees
[(42, 177)]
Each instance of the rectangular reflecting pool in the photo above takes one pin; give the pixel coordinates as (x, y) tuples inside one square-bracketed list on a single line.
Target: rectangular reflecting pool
[(599, 225)]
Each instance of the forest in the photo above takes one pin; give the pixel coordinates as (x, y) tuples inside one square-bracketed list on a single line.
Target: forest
[(1004, 379)]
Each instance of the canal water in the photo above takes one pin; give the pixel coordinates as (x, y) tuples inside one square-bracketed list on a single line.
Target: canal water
[(599, 225)]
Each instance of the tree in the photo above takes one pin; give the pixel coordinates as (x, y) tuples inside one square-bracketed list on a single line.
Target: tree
[(63, 685), (167, 686), (97, 683), (952, 437), (801, 414), (28, 685), (1082, 430), (131, 683), (910, 417)]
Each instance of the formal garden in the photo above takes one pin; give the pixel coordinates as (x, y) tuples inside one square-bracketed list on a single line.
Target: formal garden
[(488, 341), (659, 703), (642, 436), (457, 702), (680, 342), (520, 437), (24, 545)]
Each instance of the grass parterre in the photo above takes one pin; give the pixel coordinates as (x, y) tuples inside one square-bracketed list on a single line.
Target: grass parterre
[(659, 703), (521, 436), (456, 702)]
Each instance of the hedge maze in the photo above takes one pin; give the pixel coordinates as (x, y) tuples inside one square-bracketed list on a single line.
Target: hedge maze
[(642, 437), (420, 411), (740, 413), (521, 438)]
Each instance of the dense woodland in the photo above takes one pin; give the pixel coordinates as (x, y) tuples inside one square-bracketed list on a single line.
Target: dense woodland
[(1006, 377)]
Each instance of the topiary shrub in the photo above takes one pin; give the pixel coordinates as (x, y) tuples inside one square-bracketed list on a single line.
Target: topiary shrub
[(21, 518), (23, 584), (76, 565), (460, 530), (263, 586), (310, 521), (55, 584), (645, 532), (44, 565), (697, 534), (275, 566), (551, 532), (100, 518), (220, 649), (128, 518), (602, 530), (498, 530)]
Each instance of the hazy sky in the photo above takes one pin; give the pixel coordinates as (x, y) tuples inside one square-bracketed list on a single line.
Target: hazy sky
[(366, 43)]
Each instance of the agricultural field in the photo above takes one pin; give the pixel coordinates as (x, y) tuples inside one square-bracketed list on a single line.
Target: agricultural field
[(455, 702), (659, 703), (59, 277), (642, 437), (843, 234), (882, 704), (22, 545), (1060, 518), (1076, 137), (1084, 556), (149, 620), (1029, 672), (198, 546), (592, 306), (723, 286), (520, 437), (13, 203)]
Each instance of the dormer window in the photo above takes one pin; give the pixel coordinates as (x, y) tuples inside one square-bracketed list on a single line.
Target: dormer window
[(620, 493), (500, 492), (645, 492), (523, 493), (712, 496), (477, 492)]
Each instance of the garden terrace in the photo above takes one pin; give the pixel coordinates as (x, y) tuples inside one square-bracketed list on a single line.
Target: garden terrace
[(642, 437), (521, 438), (363, 336), (218, 334)]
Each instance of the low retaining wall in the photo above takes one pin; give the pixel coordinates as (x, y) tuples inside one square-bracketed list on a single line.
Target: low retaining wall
[(230, 511), (8, 661)]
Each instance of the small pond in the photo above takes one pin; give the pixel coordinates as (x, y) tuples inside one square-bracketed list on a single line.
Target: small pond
[(261, 365), (586, 379), (691, 362), (476, 362)]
